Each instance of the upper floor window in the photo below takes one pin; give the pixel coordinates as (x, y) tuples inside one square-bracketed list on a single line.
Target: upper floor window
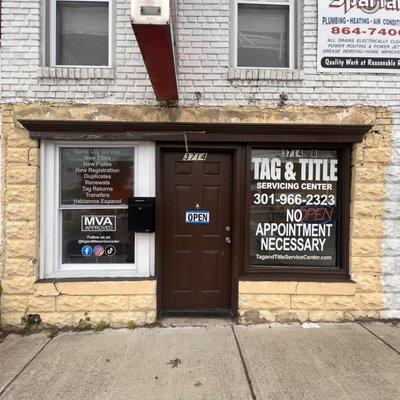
[(80, 32), (265, 33)]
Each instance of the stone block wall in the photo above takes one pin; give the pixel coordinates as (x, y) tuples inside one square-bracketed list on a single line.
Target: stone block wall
[(117, 303), (68, 304), (62, 303), (206, 79), (261, 302), (367, 296)]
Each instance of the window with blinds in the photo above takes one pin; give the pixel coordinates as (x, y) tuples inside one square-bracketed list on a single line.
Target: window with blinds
[(82, 33), (264, 34)]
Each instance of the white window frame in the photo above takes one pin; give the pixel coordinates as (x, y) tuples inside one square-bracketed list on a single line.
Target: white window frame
[(51, 266), (292, 30), (53, 34)]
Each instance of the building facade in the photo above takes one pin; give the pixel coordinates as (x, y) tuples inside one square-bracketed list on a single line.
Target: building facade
[(275, 177)]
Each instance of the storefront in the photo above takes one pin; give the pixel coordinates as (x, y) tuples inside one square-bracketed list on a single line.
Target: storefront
[(140, 219)]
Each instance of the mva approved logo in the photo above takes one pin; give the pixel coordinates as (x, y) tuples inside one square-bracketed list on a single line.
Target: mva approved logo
[(98, 223)]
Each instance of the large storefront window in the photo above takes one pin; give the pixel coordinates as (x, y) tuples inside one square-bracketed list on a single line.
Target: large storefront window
[(296, 209), (85, 190)]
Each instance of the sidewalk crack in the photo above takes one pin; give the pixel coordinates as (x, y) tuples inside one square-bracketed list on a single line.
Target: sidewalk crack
[(24, 368), (246, 371), (378, 337)]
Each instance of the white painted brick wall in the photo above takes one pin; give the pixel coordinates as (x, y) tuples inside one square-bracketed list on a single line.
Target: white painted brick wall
[(1, 196), (203, 65), (203, 69)]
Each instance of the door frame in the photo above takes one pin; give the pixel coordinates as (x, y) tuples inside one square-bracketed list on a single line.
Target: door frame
[(238, 153)]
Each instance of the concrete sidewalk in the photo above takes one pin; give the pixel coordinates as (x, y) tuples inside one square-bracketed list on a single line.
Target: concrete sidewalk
[(346, 361)]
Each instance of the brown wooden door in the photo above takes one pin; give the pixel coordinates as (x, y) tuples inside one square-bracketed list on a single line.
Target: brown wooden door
[(196, 260)]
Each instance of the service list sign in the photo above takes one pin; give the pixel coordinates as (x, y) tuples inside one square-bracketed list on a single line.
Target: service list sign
[(97, 176), (359, 36), (293, 212), (96, 183)]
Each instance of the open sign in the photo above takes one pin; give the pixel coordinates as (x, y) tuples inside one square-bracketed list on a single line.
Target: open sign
[(318, 214), (197, 217)]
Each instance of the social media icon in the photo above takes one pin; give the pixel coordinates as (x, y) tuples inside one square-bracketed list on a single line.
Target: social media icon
[(87, 251), (98, 251), (110, 250)]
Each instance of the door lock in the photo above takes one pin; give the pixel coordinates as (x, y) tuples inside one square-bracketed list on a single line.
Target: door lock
[(228, 228), (228, 240)]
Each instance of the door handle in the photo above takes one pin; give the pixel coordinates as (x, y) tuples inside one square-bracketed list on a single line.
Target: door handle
[(228, 240)]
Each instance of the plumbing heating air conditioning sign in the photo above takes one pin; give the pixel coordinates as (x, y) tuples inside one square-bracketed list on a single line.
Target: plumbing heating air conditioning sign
[(359, 36)]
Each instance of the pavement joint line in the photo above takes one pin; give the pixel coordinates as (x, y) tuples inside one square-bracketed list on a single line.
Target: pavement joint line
[(378, 337), (246, 371), (24, 368)]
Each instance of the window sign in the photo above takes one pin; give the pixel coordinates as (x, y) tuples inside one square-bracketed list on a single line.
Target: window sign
[(96, 236), (96, 176), (293, 211), (96, 183)]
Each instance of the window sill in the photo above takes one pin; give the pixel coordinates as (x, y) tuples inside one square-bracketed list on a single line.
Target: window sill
[(82, 73), (85, 287), (317, 277), (266, 74), (341, 288)]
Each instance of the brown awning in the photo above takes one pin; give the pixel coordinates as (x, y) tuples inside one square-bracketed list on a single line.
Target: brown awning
[(195, 132)]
